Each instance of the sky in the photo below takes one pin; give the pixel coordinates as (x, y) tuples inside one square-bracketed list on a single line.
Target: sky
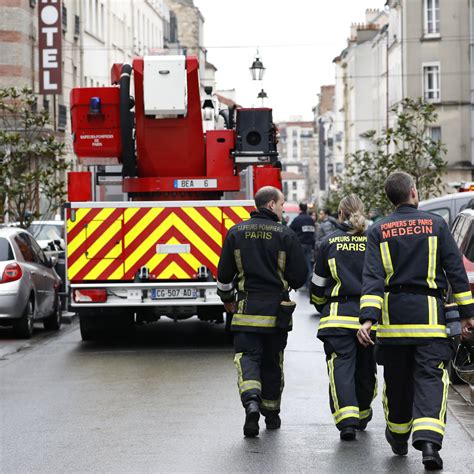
[(297, 41)]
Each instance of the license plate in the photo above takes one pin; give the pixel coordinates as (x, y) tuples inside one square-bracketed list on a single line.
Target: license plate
[(172, 293)]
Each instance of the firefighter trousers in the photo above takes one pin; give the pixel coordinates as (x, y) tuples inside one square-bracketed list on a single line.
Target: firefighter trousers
[(415, 394), (259, 362), (352, 379)]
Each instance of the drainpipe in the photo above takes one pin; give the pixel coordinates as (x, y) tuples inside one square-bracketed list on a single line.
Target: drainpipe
[(471, 61)]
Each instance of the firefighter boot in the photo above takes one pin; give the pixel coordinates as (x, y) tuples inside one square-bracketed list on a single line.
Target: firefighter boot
[(273, 421), (400, 448), (252, 414), (348, 433), (431, 458)]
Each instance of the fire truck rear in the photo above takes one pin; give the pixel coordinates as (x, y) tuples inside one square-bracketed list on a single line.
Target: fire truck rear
[(156, 252)]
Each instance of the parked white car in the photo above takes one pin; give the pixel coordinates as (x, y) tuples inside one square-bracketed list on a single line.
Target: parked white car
[(48, 234)]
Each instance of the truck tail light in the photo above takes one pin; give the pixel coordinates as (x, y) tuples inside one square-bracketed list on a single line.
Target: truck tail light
[(90, 296), (11, 272)]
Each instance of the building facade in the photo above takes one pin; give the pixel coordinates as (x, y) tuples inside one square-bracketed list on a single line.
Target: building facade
[(416, 49), (431, 40), (297, 148)]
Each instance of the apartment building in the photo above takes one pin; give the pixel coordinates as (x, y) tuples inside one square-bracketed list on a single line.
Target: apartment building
[(416, 48), (298, 152)]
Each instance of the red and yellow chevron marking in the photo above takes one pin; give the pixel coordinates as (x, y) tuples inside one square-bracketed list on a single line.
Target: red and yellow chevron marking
[(113, 244)]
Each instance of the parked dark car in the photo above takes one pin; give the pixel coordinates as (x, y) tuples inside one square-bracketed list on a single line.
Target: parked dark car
[(29, 285), (463, 233)]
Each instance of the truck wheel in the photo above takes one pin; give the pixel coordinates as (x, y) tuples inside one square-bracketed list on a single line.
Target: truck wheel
[(25, 325), (91, 327), (53, 322)]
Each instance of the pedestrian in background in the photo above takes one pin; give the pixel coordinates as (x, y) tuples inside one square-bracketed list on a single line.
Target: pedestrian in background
[(303, 226), (261, 260), (327, 224), (335, 291), (410, 257)]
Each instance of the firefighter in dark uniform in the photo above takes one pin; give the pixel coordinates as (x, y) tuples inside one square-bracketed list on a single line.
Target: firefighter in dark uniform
[(335, 291), (303, 226), (410, 257), (261, 259)]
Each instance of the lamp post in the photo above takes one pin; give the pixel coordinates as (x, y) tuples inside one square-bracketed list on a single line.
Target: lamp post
[(262, 95), (257, 70)]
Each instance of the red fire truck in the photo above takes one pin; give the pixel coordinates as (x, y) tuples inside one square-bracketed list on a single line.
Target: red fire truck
[(156, 252)]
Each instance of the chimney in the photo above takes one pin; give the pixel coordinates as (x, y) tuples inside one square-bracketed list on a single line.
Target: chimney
[(371, 14)]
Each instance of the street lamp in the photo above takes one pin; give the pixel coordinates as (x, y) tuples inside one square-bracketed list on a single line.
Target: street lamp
[(256, 69), (262, 95)]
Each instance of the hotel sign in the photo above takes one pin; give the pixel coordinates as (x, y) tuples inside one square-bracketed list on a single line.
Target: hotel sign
[(49, 30)]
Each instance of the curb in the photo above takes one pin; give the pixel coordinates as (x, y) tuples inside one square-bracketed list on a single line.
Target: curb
[(466, 392)]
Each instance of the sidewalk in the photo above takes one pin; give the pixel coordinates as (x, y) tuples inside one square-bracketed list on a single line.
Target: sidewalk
[(461, 407)]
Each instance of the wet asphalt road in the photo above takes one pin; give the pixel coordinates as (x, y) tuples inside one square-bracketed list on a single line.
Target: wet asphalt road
[(167, 402)]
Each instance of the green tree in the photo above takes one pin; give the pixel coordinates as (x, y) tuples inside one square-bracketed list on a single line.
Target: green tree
[(405, 147), (32, 162)]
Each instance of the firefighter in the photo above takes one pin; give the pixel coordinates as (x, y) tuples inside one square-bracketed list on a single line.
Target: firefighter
[(335, 291), (410, 256), (303, 225), (261, 259)]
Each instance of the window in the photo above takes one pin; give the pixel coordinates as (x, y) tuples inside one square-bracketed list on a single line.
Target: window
[(443, 212), (64, 18), (339, 167), (6, 252), (295, 197), (25, 249), (62, 117), (293, 185), (77, 26), (431, 82), (431, 16), (435, 133)]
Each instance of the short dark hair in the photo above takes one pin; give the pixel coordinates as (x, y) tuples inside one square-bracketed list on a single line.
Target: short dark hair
[(398, 186), (265, 195), (303, 207), (325, 210)]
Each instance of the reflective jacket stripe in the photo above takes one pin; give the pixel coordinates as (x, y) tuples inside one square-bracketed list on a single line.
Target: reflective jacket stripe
[(411, 330), (430, 424), (463, 298), (318, 300), (335, 291), (333, 268), (240, 268), (281, 268), (253, 320), (346, 412), (432, 310), (319, 280), (432, 253), (371, 301), (387, 261), (225, 286), (385, 313), (339, 321)]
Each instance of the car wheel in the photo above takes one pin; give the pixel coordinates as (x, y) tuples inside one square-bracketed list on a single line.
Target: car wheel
[(53, 322), (25, 325)]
